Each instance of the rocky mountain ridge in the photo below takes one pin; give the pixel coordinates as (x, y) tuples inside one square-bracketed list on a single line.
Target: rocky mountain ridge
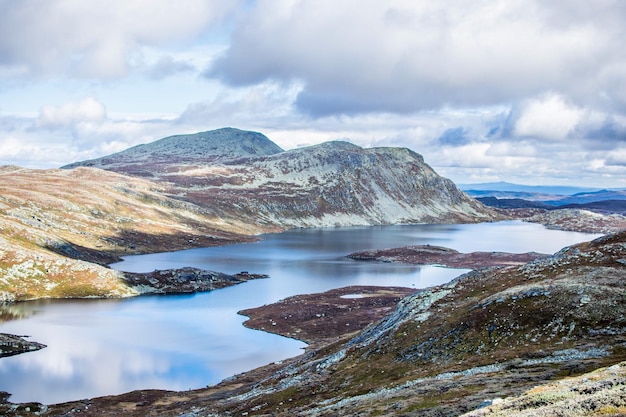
[(332, 184)]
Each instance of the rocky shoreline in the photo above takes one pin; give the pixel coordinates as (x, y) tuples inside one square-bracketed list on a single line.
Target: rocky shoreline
[(11, 345), (184, 280)]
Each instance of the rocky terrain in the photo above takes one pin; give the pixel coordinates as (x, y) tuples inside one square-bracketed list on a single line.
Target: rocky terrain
[(183, 280), (490, 337), (447, 350), (437, 255), (598, 393), (579, 220)]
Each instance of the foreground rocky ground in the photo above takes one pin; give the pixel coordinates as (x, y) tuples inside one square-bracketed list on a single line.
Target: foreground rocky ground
[(444, 351)]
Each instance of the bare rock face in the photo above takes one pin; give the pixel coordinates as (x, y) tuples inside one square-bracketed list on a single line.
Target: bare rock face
[(244, 175)]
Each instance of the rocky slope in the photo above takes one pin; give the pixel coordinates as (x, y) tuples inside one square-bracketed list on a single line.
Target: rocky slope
[(59, 227), (547, 319), (243, 175), (446, 350)]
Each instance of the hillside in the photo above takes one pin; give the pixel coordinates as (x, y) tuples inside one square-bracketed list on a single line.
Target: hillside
[(59, 227), (335, 183)]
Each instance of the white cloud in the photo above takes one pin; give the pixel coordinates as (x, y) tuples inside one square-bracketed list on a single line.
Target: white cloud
[(167, 66), (86, 111), (547, 117), (406, 55), (96, 38)]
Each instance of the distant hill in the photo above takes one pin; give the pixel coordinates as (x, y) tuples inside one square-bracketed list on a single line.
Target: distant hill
[(604, 206), (243, 176), (587, 201), (590, 197), (512, 203)]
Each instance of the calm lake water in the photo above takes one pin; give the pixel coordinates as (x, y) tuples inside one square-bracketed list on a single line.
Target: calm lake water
[(102, 347)]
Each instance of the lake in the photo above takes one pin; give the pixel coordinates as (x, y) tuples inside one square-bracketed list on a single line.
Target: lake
[(103, 347)]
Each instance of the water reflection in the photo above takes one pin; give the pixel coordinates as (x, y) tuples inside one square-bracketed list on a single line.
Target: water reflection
[(12, 312), (101, 347)]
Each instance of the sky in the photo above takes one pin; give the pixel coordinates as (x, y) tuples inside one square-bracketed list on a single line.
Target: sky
[(524, 91)]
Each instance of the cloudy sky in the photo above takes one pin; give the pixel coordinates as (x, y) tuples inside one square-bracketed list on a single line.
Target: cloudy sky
[(525, 91)]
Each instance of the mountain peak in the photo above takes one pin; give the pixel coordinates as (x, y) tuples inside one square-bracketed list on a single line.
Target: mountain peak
[(214, 145)]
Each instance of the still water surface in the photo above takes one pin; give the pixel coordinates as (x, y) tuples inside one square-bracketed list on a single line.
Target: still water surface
[(102, 347)]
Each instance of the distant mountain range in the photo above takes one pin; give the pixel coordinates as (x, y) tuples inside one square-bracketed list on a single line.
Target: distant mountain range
[(502, 186), (245, 176), (507, 195)]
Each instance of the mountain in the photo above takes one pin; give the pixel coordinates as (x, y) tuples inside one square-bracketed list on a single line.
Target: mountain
[(244, 176), (59, 227), (168, 153)]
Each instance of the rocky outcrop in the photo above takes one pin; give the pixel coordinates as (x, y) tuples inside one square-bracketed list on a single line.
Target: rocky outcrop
[(14, 345), (184, 280), (598, 393)]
